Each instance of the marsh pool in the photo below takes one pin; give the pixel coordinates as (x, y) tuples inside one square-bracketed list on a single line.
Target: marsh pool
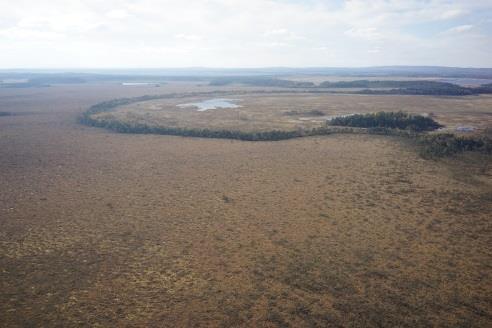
[(212, 104)]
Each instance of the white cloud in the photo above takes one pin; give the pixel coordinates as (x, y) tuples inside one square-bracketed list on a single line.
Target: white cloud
[(276, 32), (368, 33), (374, 51), (118, 14), (452, 13), (239, 33), (188, 37), (460, 29), (275, 44), (36, 36)]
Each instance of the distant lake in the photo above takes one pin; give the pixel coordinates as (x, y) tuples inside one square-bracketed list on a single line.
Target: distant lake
[(139, 83), (466, 81), (212, 104)]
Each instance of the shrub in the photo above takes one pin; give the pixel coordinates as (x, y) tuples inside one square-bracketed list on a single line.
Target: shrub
[(445, 144)]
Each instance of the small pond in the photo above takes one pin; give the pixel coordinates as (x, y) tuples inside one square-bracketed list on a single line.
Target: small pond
[(139, 83), (465, 128), (466, 81), (212, 104)]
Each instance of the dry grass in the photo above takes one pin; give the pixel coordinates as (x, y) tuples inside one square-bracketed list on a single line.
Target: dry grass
[(106, 229), (260, 112)]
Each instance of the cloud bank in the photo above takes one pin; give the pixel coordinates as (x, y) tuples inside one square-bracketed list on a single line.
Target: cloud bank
[(253, 33)]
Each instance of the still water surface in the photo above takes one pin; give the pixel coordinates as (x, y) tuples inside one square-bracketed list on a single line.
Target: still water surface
[(212, 104)]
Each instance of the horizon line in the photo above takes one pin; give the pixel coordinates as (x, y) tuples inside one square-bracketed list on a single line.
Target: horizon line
[(238, 67)]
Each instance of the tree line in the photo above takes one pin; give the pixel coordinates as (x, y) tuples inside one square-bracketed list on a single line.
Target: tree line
[(260, 81), (384, 87), (383, 123)]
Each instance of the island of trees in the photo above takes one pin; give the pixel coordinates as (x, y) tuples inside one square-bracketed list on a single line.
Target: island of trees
[(391, 120)]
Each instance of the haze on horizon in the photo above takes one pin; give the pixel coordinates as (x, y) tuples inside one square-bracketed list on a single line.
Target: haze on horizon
[(254, 33)]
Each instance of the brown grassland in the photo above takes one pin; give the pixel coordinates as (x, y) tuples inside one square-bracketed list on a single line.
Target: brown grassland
[(104, 229), (290, 111)]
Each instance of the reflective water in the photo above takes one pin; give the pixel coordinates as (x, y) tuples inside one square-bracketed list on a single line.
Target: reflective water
[(466, 81), (138, 83), (465, 128), (212, 104)]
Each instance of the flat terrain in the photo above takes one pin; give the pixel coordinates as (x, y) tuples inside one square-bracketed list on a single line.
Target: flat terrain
[(118, 230), (472, 82), (297, 110)]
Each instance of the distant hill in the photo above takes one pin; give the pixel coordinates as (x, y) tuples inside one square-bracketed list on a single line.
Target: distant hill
[(263, 77), (384, 87), (411, 71)]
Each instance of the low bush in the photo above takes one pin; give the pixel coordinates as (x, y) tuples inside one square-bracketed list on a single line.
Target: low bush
[(446, 144)]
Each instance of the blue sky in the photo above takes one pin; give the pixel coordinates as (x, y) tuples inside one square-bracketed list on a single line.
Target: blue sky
[(252, 33)]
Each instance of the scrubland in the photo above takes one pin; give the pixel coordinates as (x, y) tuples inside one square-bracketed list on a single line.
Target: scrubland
[(278, 109), (107, 229)]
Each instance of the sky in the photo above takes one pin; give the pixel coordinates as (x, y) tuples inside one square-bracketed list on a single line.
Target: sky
[(249, 33)]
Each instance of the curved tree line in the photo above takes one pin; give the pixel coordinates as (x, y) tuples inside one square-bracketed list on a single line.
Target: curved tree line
[(400, 124), (139, 128)]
